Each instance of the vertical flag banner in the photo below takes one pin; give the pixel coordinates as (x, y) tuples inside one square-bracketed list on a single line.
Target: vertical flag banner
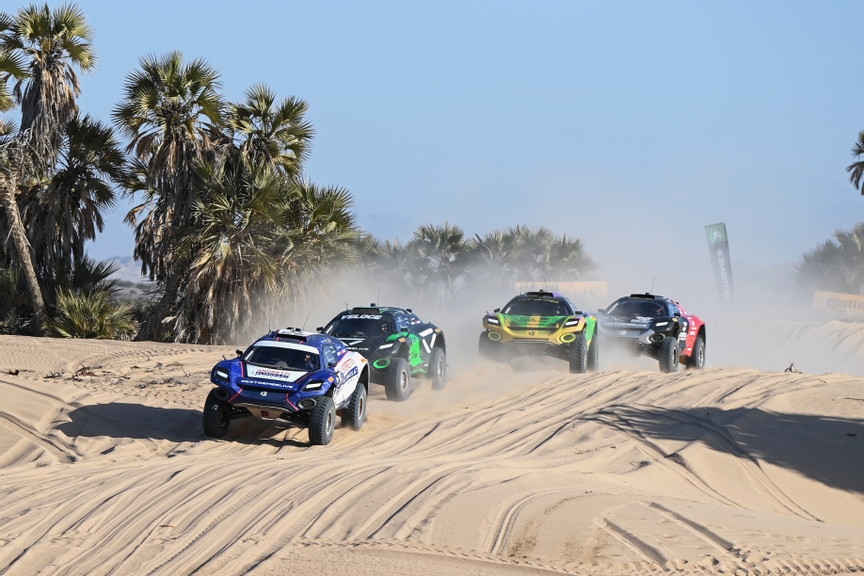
[(718, 243)]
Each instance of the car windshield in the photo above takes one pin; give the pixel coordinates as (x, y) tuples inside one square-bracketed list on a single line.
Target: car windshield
[(533, 307), (365, 327), (643, 308), (283, 358)]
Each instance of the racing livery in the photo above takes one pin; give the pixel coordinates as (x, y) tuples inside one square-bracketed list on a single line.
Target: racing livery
[(657, 327), (541, 323), (396, 343), (302, 378)]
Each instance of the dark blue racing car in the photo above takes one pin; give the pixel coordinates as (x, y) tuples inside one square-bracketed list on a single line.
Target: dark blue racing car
[(301, 378)]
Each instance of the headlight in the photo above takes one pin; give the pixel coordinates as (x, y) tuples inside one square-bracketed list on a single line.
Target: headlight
[(314, 385), (221, 373), (493, 321), (573, 322), (659, 324), (385, 346)]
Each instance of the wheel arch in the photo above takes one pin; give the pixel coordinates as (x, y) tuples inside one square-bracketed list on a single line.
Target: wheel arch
[(364, 377), (440, 342)]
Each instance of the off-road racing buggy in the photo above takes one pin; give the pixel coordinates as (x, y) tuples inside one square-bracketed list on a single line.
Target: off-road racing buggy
[(541, 324), (397, 345), (657, 327), (302, 378)]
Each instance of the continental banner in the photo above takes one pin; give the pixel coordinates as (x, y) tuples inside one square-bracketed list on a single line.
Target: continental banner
[(838, 302), (718, 244), (581, 293)]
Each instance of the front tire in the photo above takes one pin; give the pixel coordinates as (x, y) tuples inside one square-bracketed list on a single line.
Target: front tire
[(696, 361), (668, 355), (594, 354), (488, 349), (577, 355), (354, 414), (396, 380), (215, 417), (322, 422), (437, 368)]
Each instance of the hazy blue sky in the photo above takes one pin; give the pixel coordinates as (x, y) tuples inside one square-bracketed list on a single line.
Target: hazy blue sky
[(630, 125)]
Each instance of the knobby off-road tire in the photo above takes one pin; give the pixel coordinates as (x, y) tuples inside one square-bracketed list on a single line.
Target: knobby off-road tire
[(322, 422), (578, 356), (594, 353), (397, 382), (437, 371), (696, 361), (354, 414), (215, 417), (668, 355), (488, 349)]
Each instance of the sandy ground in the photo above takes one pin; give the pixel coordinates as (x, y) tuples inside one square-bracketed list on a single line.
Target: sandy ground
[(104, 468)]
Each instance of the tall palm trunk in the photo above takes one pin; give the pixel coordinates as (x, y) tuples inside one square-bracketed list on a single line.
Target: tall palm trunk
[(22, 246), (153, 328)]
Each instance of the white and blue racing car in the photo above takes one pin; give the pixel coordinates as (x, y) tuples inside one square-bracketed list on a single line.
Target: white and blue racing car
[(302, 378)]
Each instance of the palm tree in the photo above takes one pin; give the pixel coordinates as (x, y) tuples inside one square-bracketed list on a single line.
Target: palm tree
[(277, 135), (235, 267), (48, 46), (521, 253), (836, 265), (168, 113), (67, 212), (440, 255), (856, 169), (320, 237)]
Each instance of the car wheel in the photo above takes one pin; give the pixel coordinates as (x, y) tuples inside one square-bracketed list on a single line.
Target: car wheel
[(577, 355), (322, 421), (437, 368), (696, 361), (215, 418), (594, 354), (669, 355), (488, 349), (396, 380), (354, 414)]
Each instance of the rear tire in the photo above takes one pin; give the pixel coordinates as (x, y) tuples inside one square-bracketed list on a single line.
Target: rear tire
[(594, 354), (577, 355), (322, 422), (696, 361), (215, 417), (354, 414), (396, 380), (668, 355), (437, 370)]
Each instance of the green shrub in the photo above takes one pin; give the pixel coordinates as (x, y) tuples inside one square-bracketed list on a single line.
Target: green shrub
[(94, 315)]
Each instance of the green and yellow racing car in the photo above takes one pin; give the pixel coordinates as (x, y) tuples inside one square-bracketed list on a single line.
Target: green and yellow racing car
[(541, 324)]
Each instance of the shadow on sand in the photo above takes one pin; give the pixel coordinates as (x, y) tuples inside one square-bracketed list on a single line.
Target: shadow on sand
[(829, 450), (138, 421)]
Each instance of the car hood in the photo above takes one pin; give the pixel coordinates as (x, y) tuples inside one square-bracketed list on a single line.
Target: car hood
[(632, 322), (252, 372), (519, 321), (363, 344)]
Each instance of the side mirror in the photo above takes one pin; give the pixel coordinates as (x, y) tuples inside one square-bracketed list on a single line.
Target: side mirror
[(577, 312), (496, 310), (319, 329), (677, 314), (331, 364), (239, 352)]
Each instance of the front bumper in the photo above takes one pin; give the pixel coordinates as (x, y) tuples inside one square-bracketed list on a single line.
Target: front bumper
[(269, 403)]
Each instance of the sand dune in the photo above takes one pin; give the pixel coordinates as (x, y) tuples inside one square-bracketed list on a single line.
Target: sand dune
[(104, 469)]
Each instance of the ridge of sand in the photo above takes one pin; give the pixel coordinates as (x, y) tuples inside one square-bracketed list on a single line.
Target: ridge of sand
[(104, 469)]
